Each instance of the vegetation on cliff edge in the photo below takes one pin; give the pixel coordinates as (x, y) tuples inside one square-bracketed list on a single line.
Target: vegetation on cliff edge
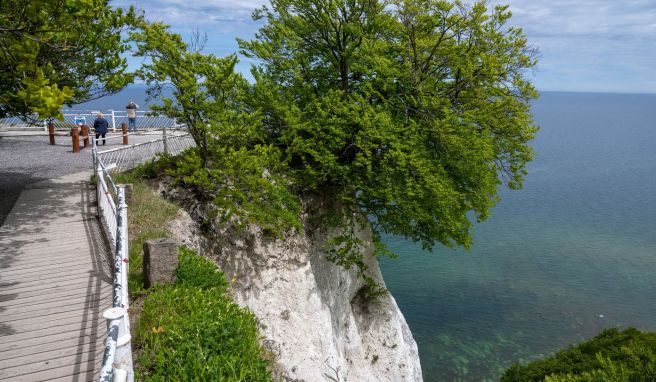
[(409, 113), (613, 355), (192, 331)]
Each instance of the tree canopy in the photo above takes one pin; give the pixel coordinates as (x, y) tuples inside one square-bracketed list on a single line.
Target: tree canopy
[(57, 52), (412, 112), (407, 114), (232, 164)]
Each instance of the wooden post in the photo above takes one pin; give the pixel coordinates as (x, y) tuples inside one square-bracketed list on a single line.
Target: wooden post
[(76, 139), (124, 131), (51, 132), (85, 135)]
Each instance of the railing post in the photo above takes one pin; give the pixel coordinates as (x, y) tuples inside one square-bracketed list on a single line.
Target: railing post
[(123, 211), (85, 135), (76, 139), (124, 349), (124, 131), (94, 158), (113, 121), (51, 132), (165, 140)]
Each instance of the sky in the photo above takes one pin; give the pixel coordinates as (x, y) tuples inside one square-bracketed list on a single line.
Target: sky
[(584, 45)]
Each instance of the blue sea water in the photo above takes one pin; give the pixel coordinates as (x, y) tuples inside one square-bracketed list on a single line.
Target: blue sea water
[(119, 101), (572, 253)]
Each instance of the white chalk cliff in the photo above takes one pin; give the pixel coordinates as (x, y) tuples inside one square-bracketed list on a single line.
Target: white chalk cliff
[(312, 313)]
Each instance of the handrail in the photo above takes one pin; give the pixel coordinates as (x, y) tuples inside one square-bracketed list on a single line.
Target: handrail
[(117, 357)]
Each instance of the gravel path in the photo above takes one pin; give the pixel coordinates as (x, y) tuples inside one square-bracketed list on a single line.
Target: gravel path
[(25, 159)]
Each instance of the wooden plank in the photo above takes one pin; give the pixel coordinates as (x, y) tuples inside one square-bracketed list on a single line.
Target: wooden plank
[(25, 263), (47, 268), (65, 280), (36, 247), (41, 347), (24, 232), (71, 349), (80, 271), (55, 294), (46, 310), (8, 348), (23, 332), (53, 367)]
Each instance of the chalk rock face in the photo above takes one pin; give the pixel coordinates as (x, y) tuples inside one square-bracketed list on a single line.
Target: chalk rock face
[(312, 313)]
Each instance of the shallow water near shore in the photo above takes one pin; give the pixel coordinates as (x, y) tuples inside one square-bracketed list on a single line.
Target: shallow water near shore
[(572, 253)]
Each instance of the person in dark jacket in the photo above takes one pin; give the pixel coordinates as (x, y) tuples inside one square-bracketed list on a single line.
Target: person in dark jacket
[(100, 127)]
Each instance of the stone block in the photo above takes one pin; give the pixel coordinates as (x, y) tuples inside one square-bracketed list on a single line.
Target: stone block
[(160, 261)]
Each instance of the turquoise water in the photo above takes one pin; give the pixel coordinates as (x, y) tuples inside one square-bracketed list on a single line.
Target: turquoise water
[(570, 254)]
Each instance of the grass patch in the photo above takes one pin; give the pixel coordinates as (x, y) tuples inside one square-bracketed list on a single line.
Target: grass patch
[(192, 331), (613, 355), (148, 214)]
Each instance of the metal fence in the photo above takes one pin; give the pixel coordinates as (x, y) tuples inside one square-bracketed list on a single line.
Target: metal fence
[(112, 207), (127, 157), (117, 357), (146, 120)]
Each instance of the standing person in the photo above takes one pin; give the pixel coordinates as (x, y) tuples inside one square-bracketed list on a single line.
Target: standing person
[(132, 115), (100, 127)]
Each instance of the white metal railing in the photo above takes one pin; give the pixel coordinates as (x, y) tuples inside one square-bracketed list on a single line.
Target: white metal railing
[(126, 157), (146, 120), (117, 357)]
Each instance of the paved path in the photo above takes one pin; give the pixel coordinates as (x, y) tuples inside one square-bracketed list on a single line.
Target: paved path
[(55, 282)]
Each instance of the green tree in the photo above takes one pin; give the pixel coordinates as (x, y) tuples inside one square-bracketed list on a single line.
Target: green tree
[(56, 52), (409, 112), (232, 165)]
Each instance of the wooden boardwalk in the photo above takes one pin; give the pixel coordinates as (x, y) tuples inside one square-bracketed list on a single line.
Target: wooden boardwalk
[(55, 282)]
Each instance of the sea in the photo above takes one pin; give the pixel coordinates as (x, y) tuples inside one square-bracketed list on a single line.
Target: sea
[(570, 254)]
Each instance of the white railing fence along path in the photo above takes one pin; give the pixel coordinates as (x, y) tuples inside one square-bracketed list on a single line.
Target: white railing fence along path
[(126, 157), (112, 208), (117, 357), (146, 120)]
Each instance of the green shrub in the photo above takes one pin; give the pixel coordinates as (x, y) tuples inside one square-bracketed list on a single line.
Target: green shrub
[(192, 331), (198, 271), (612, 355)]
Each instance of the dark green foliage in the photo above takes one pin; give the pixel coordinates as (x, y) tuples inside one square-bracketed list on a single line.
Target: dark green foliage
[(192, 331), (411, 112), (613, 355), (60, 51), (232, 165)]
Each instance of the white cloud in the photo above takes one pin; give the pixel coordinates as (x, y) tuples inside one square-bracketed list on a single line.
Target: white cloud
[(591, 45), (208, 16), (587, 45)]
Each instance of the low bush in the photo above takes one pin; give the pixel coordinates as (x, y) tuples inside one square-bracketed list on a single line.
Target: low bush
[(613, 355), (192, 331)]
